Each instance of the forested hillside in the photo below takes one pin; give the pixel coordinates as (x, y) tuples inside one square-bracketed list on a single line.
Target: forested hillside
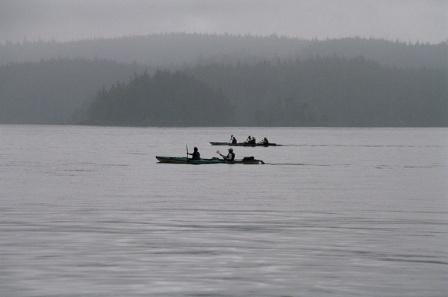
[(54, 91), (333, 92), (177, 49), (160, 50), (317, 92), (240, 80), (388, 53), (162, 99)]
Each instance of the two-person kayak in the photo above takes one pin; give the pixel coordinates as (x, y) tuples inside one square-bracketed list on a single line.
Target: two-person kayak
[(184, 160), (244, 144)]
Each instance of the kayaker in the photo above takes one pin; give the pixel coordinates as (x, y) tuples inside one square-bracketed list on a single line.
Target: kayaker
[(233, 140), (195, 155), (265, 141), (230, 156), (250, 140)]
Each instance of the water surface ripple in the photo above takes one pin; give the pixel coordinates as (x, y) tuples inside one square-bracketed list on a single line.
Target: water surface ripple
[(87, 211)]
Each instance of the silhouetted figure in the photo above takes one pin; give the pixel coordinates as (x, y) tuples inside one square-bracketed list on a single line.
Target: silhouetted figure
[(195, 155), (233, 140), (250, 140), (265, 141), (253, 141), (230, 156)]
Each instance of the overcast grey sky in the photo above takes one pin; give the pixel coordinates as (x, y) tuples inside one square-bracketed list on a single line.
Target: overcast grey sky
[(407, 20)]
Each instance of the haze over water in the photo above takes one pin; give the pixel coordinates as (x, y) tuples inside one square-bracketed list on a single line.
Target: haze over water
[(87, 211)]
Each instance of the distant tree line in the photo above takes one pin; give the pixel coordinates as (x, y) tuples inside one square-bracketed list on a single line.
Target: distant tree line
[(174, 50), (316, 92), (226, 80), (389, 53), (331, 92), (162, 99)]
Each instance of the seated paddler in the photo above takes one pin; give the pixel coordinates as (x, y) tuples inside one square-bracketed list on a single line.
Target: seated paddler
[(230, 156), (195, 155), (265, 141)]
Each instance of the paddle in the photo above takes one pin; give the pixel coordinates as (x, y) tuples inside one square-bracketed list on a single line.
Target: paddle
[(219, 153), (186, 146)]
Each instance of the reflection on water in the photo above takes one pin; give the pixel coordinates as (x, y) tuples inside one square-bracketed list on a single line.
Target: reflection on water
[(88, 212)]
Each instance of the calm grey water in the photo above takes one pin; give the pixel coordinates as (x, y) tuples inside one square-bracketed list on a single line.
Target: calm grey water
[(87, 211)]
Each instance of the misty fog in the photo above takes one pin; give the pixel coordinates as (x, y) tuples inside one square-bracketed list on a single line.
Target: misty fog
[(406, 20), (263, 62)]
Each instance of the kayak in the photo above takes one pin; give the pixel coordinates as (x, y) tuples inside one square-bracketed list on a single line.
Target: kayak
[(184, 160), (244, 144)]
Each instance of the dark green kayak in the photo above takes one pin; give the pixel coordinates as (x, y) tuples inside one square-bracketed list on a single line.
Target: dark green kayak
[(184, 160)]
